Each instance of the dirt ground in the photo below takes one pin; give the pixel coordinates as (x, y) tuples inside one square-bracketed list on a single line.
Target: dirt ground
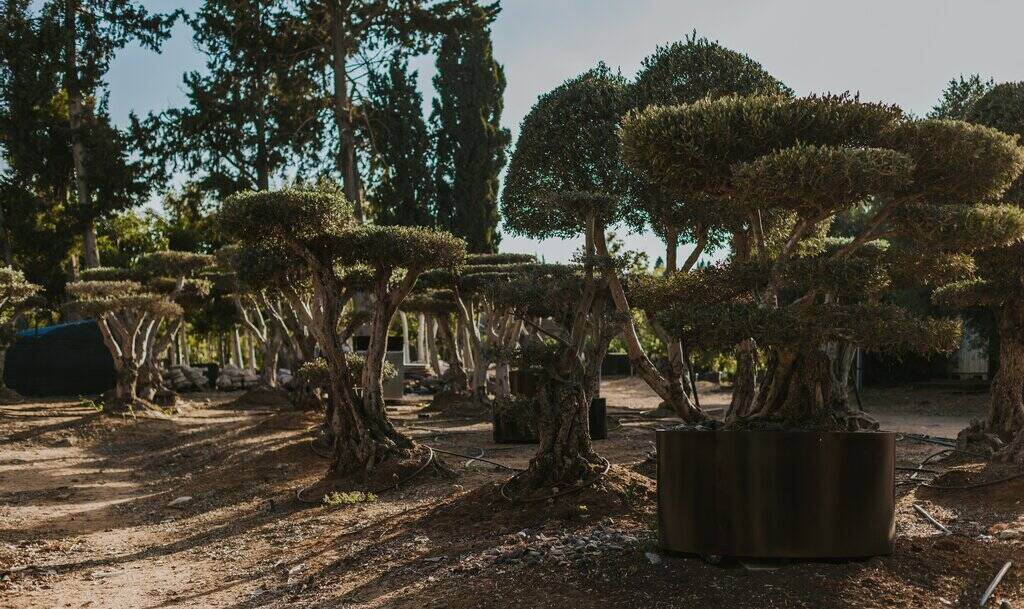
[(91, 515)]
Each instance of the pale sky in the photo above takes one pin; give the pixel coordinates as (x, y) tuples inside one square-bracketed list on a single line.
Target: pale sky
[(897, 51)]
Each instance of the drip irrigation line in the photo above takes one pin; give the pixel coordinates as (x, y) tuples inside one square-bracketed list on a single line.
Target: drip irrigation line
[(316, 451), (947, 442), (575, 489), (917, 469), (938, 525), (393, 486), (478, 458), (967, 487), (953, 487), (995, 583)]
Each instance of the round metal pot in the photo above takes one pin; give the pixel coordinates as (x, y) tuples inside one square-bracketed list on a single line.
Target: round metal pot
[(776, 494)]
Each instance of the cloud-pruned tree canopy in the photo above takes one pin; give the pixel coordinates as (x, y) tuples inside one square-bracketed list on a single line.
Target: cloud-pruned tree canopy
[(802, 161)]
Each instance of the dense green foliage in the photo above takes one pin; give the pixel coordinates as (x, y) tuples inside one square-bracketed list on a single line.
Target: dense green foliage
[(469, 140), (400, 179), (959, 95), (253, 112), (566, 165), (803, 161)]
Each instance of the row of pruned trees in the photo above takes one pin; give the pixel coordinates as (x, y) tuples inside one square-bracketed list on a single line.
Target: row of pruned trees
[(744, 163)]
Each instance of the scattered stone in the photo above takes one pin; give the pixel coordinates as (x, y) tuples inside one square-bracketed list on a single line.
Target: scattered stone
[(578, 547), (180, 501), (653, 558), (67, 441)]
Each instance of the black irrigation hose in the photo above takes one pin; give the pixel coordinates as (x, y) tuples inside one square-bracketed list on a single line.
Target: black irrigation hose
[(479, 458), (316, 451), (974, 485), (951, 487), (575, 489), (947, 442), (393, 486)]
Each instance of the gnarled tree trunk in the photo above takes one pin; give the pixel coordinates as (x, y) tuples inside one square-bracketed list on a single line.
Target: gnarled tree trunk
[(672, 391), (363, 436), (799, 388), (1002, 433), (7, 394), (744, 381), (566, 454)]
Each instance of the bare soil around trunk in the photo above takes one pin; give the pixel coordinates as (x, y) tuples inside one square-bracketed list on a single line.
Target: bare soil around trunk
[(199, 509)]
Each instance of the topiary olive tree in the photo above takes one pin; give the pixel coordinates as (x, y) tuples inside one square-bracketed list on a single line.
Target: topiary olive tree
[(253, 276), (998, 284), (138, 313), (437, 305), (126, 314), (318, 228), (17, 296), (177, 275), (683, 73), (565, 179), (571, 320), (797, 163), (491, 333)]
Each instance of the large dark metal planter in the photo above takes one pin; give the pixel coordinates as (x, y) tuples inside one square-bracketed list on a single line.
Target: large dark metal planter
[(513, 430), (776, 494), (598, 419)]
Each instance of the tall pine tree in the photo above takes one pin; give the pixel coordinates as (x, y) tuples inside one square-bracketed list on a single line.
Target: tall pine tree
[(255, 111), (87, 34), (351, 37), (470, 142), (401, 185), (43, 206)]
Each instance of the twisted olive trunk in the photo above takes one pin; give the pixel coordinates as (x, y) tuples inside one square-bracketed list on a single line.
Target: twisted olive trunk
[(1006, 411), (672, 392), (360, 442), (269, 351), (151, 379), (6, 393), (566, 454), (744, 387), (800, 388), (458, 378), (432, 355), (126, 385)]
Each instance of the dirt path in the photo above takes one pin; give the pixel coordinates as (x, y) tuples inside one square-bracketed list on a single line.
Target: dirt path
[(85, 521), (86, 515)]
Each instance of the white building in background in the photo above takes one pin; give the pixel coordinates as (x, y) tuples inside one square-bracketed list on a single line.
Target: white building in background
[(971, 360)]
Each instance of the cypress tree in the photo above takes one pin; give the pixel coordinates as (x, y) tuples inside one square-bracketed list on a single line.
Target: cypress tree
[(401, 185), (470, 147)]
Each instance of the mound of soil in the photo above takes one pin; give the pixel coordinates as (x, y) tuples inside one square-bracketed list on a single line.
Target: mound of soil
[(10, 396), (619, 492), (388, 476), (262, 397), (452, 405)]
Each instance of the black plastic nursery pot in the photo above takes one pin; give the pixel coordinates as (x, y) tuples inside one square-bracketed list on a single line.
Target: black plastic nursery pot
[(598, 419), (524, 381), (516, 430), (510, 429), (774, 494)]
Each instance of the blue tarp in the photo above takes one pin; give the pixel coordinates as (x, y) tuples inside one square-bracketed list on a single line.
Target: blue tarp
[(63, 359)]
